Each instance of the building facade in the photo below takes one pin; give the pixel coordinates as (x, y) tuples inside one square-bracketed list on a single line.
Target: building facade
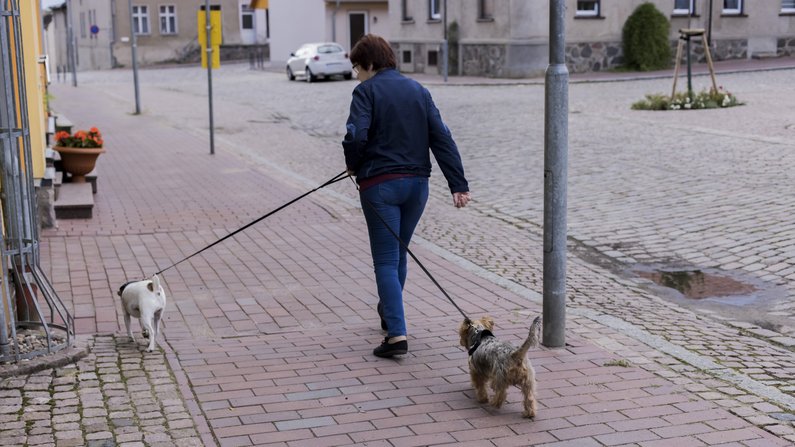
[(166, 31), (295, 22), (510, 38)]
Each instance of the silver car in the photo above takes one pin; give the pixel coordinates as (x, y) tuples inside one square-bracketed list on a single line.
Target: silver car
[(319, 60)]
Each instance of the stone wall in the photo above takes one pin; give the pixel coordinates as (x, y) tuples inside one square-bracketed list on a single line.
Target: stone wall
[(786, 46), (484, 60), (597, 56), (594, 56)]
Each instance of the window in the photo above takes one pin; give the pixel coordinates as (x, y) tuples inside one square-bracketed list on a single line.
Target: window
[(684, 7), (434, 12), (587, 8), (484, 10), (404, 7), (246, 17), (787, 5), (433, 58), (83, 26), (140, 19), (406, 57), (732, 6), (168, 19)]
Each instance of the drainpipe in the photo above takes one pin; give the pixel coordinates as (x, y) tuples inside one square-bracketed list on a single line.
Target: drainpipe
[(334, 22)]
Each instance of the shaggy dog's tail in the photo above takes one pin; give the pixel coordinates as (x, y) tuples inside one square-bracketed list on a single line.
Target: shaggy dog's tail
[(530, 341)]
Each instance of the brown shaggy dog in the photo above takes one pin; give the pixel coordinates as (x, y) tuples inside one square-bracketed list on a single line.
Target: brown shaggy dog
[(499, 363)]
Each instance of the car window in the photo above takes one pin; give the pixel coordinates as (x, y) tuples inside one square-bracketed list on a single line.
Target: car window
[(327, 49)]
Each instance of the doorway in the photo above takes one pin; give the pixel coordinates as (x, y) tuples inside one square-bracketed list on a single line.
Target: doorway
[(357, 26)]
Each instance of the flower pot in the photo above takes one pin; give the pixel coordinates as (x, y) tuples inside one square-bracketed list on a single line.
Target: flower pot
[(78, 161)]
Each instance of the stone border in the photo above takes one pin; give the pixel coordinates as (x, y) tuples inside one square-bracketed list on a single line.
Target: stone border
[(61, 358)]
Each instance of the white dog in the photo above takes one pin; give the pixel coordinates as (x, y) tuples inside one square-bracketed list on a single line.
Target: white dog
[(145, 300)]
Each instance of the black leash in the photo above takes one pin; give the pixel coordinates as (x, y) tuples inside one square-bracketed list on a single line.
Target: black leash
[(372, 207), (335, 179)]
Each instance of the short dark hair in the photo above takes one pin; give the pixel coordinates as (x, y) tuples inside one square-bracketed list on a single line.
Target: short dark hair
[(373, 52)]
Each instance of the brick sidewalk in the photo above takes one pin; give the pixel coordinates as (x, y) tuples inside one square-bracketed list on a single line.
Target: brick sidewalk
[(269, 335)]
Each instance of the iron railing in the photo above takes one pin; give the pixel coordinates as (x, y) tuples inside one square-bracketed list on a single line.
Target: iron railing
[(27, 294)]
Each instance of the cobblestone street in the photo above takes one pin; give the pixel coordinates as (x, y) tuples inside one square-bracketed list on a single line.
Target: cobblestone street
[(268, 335)]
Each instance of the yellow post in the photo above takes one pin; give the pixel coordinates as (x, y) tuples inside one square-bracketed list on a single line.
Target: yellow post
[(215, 37)]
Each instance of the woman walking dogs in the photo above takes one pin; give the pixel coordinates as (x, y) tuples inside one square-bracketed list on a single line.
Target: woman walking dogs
[(392, 124)]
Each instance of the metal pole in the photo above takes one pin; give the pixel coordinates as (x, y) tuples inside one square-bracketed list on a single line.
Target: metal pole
[(209, 49), (556, 134), (709, 26), (70, 35), (689, 71), (134, 47), (444, 44)]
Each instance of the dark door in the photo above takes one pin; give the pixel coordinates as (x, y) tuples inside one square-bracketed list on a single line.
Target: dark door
[(357, 22)]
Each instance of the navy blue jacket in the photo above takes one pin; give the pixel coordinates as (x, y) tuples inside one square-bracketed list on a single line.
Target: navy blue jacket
[(393, 122)]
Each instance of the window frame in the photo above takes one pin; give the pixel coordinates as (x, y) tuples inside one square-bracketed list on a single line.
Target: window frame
[(167, 14), (142, 16), (691, 11), (596, 12), (434, 5), (733, 11), (404, 11), (788, 9), (483, 7), (246, 10)]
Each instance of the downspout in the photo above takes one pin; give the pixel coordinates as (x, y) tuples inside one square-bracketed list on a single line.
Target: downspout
[(334, 22), (112, 32)]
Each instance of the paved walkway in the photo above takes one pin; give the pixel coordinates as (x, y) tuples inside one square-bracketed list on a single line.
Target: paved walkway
[(268, 336)]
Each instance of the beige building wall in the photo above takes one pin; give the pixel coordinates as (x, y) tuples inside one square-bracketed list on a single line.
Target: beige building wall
[(513, 40), (296, 22)]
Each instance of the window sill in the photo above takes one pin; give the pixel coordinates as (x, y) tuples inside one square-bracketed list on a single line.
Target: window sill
[(485, 19), (734, 14), (786, 13), (434, 21), (408, 21), (685, 16), (584, 17)]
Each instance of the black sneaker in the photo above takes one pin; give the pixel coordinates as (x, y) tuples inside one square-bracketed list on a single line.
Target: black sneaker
[(381, 314), (387, 349)]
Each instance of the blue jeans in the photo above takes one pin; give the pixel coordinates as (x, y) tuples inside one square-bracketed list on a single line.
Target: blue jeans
[(400, 202)]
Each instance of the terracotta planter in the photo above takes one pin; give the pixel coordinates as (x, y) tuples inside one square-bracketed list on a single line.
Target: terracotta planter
[(78, 161)]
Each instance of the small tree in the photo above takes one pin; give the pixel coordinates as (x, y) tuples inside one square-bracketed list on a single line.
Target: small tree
[(645, 38)]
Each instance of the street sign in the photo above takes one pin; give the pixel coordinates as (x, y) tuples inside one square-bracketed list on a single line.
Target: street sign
[(94, 29), (215, 36)]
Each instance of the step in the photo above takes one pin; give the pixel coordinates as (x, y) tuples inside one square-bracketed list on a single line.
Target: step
[(91, 177), (75, 201), (764, 55)]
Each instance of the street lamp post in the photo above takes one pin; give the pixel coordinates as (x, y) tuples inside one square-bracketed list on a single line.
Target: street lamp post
[(71, 50), (556, 134), (445, 48), (209, 49), (134, 55)]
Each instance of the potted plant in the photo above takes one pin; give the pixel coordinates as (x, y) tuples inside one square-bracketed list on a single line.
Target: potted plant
[(79, 152)]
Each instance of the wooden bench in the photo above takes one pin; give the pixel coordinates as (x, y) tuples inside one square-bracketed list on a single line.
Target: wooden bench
[(75, 201)]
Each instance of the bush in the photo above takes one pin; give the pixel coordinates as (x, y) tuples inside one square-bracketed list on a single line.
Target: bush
[(645, 38), (682, 101)]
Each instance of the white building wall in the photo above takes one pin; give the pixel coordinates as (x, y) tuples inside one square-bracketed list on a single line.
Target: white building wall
[(295, 22)]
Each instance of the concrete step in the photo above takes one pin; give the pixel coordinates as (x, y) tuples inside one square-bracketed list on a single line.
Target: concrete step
[(75, 201)]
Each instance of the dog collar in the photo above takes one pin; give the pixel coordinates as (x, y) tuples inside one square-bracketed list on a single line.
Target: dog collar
[(481, 335)]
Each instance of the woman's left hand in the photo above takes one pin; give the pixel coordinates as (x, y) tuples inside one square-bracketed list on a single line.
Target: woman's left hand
[(461, 199)]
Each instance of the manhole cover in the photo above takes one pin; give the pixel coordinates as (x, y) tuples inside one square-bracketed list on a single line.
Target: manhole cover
[(696, 284)]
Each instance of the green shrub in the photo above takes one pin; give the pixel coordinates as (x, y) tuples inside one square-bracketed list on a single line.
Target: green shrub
[(645, 38), (682, 101)]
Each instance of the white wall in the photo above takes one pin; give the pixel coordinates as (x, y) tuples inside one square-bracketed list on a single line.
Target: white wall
[(295, 22)]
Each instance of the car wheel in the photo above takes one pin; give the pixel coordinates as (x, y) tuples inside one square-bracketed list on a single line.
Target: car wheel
[(290, 74), (348, 76), (309, 76)]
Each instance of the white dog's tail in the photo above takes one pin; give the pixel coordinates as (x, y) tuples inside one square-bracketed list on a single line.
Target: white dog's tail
[(531, 340)]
